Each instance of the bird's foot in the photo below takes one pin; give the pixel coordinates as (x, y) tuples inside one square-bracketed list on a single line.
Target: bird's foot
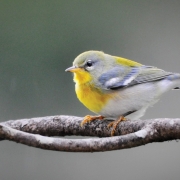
[(89, 118), (115, 123)]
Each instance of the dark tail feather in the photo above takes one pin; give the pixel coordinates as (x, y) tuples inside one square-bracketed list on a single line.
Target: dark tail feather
[(176, 88)]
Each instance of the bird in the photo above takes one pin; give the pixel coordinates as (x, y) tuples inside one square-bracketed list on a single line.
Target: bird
[(118, 88)]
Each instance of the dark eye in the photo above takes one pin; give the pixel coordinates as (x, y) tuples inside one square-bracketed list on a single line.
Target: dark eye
[(89, 63)]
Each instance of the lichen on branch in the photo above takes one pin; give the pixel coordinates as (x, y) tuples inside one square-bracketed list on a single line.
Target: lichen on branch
[(35, 132)]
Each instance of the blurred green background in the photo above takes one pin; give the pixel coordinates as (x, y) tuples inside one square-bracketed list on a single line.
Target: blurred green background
[(40, 39)]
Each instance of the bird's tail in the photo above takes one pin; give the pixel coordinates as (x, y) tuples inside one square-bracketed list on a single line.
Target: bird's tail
[(176, 88), (176, 78)]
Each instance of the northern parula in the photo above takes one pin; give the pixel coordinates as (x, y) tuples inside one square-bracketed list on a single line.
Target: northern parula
[(116, 87)]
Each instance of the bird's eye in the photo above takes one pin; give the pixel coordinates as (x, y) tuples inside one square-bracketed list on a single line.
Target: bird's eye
[(89, 63)]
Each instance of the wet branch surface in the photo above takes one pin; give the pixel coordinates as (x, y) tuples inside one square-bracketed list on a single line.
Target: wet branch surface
[(44, 132)]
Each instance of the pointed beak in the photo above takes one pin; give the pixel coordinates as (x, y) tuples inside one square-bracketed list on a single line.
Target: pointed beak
[(72, 69)]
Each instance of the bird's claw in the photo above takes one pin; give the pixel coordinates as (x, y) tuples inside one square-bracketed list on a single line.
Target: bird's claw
[(89, 118), (115, 123)]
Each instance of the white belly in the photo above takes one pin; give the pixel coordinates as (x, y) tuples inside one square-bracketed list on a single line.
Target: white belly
[(136, 98)]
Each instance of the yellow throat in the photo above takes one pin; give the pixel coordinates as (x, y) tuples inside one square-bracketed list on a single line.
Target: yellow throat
[(92, 97)]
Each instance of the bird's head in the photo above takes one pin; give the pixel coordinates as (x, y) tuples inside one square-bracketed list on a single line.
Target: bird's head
[(88, 66)]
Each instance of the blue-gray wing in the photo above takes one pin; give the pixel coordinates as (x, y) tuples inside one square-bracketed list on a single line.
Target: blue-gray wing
[(120, 77), (149, 74)]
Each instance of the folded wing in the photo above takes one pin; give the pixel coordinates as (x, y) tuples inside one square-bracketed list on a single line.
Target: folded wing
[(120, 77)]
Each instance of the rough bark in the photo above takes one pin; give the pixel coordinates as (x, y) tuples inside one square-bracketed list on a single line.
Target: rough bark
[(35, 131)]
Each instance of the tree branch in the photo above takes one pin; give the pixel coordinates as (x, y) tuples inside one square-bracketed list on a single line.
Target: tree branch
[(34, 132)]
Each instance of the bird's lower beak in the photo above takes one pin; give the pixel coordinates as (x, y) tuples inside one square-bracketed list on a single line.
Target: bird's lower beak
[(72, 69)]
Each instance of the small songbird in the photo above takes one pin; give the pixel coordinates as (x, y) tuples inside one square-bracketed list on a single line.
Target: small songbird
[(118, 88)]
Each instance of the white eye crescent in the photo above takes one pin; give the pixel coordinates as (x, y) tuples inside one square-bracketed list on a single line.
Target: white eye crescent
[(89, 65)]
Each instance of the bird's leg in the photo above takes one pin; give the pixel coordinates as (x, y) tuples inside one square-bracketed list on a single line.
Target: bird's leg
[(89, 118), (115, 123)]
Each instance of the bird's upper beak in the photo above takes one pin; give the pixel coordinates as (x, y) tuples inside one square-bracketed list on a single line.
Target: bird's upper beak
[(72, 69)]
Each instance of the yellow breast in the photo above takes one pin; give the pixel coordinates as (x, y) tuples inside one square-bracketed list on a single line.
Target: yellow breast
[(92, 97)]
